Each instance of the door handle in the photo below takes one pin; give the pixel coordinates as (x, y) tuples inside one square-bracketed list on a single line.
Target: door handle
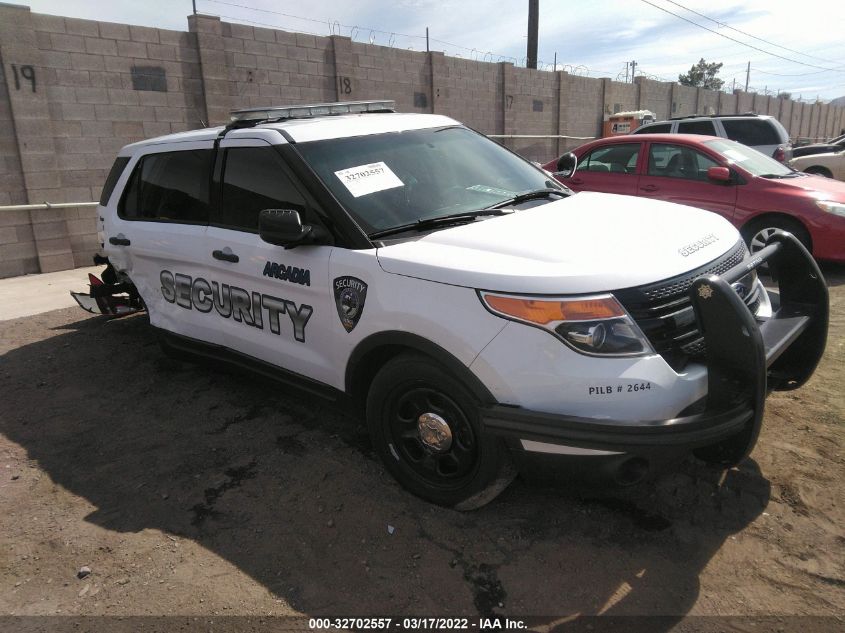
[(650, 188), (576, 181), (119, 241), (226, 257)]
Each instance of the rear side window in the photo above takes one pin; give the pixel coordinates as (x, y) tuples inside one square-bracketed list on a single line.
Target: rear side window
[(660, 128), (255, 179), (619, 159), (114, 175), (171, 186), (751, 132), (697, 127)]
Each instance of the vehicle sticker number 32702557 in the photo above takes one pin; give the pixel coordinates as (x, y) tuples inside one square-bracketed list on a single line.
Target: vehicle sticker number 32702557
[(610, 390)]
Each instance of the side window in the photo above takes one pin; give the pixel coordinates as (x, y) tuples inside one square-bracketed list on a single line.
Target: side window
[(620, 159), (171, 186), (697, 127), (677, 161), (751, 131), (659, 128), (254, 179), (114, 175)]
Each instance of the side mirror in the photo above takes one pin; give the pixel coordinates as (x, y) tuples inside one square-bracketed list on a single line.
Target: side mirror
[(566, 165), (284, 228), (719, 174)]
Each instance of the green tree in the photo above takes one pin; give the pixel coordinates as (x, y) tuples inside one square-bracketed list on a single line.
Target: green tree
[(702, 75)]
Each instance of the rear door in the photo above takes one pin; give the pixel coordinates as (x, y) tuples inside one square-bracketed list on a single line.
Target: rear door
[(678, 173), (277, 303), (611, 168), (156, 234)]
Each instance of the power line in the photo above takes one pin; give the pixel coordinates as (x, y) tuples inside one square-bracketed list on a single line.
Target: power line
[(759, 39), (756, 48)]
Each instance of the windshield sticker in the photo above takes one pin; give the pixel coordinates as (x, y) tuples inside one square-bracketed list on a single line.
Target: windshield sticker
[(366, 179), (492, 190), (735, 155)]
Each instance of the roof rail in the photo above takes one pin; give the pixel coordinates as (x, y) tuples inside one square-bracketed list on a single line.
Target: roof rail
[(712, 116), (253, 116)]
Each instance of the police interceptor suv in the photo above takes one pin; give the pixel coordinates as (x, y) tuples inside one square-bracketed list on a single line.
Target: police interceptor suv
[(484, 315)]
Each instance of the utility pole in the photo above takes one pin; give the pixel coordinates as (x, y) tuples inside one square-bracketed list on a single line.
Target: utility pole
[(427, 49), (626, 71), (533, 29), (633, 70), (194, 3), (747, 76)]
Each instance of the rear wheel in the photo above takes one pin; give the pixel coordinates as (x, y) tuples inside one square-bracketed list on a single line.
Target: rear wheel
[(425, 425), (758, 231), (820, 171)]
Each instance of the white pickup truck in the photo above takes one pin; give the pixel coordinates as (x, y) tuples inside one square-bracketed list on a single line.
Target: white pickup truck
[(482, 315)]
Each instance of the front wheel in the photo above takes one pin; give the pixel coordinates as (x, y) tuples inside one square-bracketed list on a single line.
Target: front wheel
[(426, 427), (757, 232)]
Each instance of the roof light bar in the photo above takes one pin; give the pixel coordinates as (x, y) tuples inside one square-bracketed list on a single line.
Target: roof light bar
[(312, 110)]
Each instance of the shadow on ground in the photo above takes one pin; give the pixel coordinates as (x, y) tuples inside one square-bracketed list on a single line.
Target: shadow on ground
[(287, 489)]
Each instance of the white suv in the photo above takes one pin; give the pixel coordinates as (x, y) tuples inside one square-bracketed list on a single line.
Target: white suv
[(762, 132), (482, 315)]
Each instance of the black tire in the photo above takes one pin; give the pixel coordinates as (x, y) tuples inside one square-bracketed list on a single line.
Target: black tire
[(469, 469), (819, 171), (758, 230)]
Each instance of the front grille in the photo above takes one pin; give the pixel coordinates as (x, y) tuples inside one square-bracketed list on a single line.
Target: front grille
[(665, 315)]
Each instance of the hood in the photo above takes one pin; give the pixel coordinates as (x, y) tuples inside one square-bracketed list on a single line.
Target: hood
[(818, 187), (589, 242)]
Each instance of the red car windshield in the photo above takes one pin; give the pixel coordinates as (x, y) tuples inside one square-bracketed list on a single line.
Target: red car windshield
[(752, 161)]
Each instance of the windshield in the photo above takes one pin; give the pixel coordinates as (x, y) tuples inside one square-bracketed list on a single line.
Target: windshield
[(752, 161), (398, 178)]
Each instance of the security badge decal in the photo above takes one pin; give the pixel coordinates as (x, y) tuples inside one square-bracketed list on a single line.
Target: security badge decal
[(350, 293)]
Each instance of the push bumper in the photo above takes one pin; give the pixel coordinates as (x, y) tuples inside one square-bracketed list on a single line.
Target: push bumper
[(746, 359)]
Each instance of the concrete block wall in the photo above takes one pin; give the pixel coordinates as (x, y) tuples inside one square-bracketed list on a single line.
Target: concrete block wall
[(619, 97), (473, 92), (709, 102), (534, 104), (381, 72), (72, 92), (655, 96), (684, 100)]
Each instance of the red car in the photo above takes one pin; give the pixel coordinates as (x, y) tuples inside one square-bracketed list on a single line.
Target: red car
[(755, 192)]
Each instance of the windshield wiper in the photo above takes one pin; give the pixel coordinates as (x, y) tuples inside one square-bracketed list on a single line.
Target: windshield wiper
[(792, 174), (444, 220), (528, 195)]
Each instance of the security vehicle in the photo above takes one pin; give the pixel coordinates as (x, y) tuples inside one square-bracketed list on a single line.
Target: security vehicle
[(483, 315)]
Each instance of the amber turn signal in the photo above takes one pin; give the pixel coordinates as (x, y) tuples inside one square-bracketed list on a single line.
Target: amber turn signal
[(543, 312)]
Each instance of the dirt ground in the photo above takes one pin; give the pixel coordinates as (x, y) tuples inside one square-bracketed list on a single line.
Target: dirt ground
[(190, 490)]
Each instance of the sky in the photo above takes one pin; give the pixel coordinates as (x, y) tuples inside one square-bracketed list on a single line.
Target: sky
[(793, 46)]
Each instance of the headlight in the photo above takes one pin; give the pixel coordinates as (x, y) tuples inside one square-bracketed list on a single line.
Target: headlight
[(836, 208), (592, 325)]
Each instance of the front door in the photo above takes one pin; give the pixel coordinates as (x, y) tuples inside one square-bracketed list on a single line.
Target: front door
[(275, 303), (678, 173)]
